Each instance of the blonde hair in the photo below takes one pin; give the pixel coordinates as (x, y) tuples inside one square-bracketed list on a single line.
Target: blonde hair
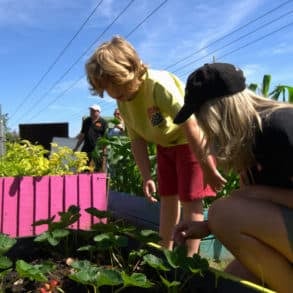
[(230, 124), (117, 62)]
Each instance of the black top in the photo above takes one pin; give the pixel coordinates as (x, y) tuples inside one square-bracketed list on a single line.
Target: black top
[(273, 150), (92, 132)]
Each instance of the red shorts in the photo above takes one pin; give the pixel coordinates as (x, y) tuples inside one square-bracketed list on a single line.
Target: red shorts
[(179, 173)]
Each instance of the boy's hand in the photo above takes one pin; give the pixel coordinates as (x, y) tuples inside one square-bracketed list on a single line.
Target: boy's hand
[(149, 188)]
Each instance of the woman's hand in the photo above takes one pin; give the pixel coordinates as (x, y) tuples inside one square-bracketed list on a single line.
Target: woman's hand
[(190, 230), (212, 176), (149, 188)]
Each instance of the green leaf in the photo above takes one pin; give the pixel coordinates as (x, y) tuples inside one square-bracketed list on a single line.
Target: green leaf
[(32, 272), (42, 237), (104, 228), (177, 256), (5, 262), (107, 277), (60, 233), (98, 213), (87, 248), (44, 221), (168, 284), (86, 276), (104, 240), (155, 262), (81, 264), (136, 280), (266, 84), (6, 243), (197, 264), (120, 241), (253, 87), (53, 241), (146, 236)]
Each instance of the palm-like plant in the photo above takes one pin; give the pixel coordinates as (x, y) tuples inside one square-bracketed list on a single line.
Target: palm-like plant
[(282, 91)]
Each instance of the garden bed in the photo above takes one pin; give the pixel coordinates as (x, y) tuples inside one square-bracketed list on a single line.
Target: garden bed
[(171, 267)]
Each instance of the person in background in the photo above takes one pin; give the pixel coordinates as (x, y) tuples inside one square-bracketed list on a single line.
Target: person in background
[(119, 127), (148, 101), (253, 136), (93, 128)]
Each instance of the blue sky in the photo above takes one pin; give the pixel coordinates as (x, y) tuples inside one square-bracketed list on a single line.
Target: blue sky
[(45, 43)]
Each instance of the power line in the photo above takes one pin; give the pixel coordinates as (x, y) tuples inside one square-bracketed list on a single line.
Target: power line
[(225, 36), (235, 40), (256, 40), (247, 44), (78, 59), (94, 42), (145, 19), (58, 57)]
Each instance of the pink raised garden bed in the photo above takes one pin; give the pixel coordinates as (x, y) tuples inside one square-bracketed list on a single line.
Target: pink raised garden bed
[(24, 200)]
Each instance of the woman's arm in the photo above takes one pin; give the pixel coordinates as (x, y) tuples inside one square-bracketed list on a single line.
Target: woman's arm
[(196, 140)]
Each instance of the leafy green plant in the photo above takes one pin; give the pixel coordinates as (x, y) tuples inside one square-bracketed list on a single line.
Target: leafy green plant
[(26, 159), (6, 243), (139, 264), (182, 267), (124, 173), (285, 91), (34, 272), (59, 230)]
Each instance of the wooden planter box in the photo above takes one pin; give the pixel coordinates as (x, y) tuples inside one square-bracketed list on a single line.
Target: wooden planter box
[(24, 200), (140, 212)]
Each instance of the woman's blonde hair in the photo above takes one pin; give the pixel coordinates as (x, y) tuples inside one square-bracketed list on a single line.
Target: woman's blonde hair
[(230, 124), (117, 62)]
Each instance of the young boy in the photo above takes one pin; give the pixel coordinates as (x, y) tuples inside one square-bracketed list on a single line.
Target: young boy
[(148, 101)]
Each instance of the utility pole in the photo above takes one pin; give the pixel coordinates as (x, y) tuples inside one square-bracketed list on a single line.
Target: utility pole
[(2, 134)]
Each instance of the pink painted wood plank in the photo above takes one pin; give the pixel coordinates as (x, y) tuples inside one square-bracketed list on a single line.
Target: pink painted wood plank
[(100, 196), (9, 203), (25, 200), (85, 200), (1, 202), (41, 202), (71, 191), (56, 196), (26, 207)]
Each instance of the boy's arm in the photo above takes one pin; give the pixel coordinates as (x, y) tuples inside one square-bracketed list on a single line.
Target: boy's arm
[(140, 153)]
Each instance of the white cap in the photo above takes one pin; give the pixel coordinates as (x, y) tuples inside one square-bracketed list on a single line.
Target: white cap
[(95, 107)]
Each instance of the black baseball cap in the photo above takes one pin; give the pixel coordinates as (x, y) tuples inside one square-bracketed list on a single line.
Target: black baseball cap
[(208, 82)]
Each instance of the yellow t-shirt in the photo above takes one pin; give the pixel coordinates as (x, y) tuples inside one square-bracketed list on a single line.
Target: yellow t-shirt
[(150, 114)]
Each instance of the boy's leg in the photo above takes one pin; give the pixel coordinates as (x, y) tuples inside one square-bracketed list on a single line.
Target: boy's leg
[(169, 217), (192, 211)]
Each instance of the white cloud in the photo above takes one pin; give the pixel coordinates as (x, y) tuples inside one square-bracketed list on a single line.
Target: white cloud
[(282, 49), (40, 14)]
